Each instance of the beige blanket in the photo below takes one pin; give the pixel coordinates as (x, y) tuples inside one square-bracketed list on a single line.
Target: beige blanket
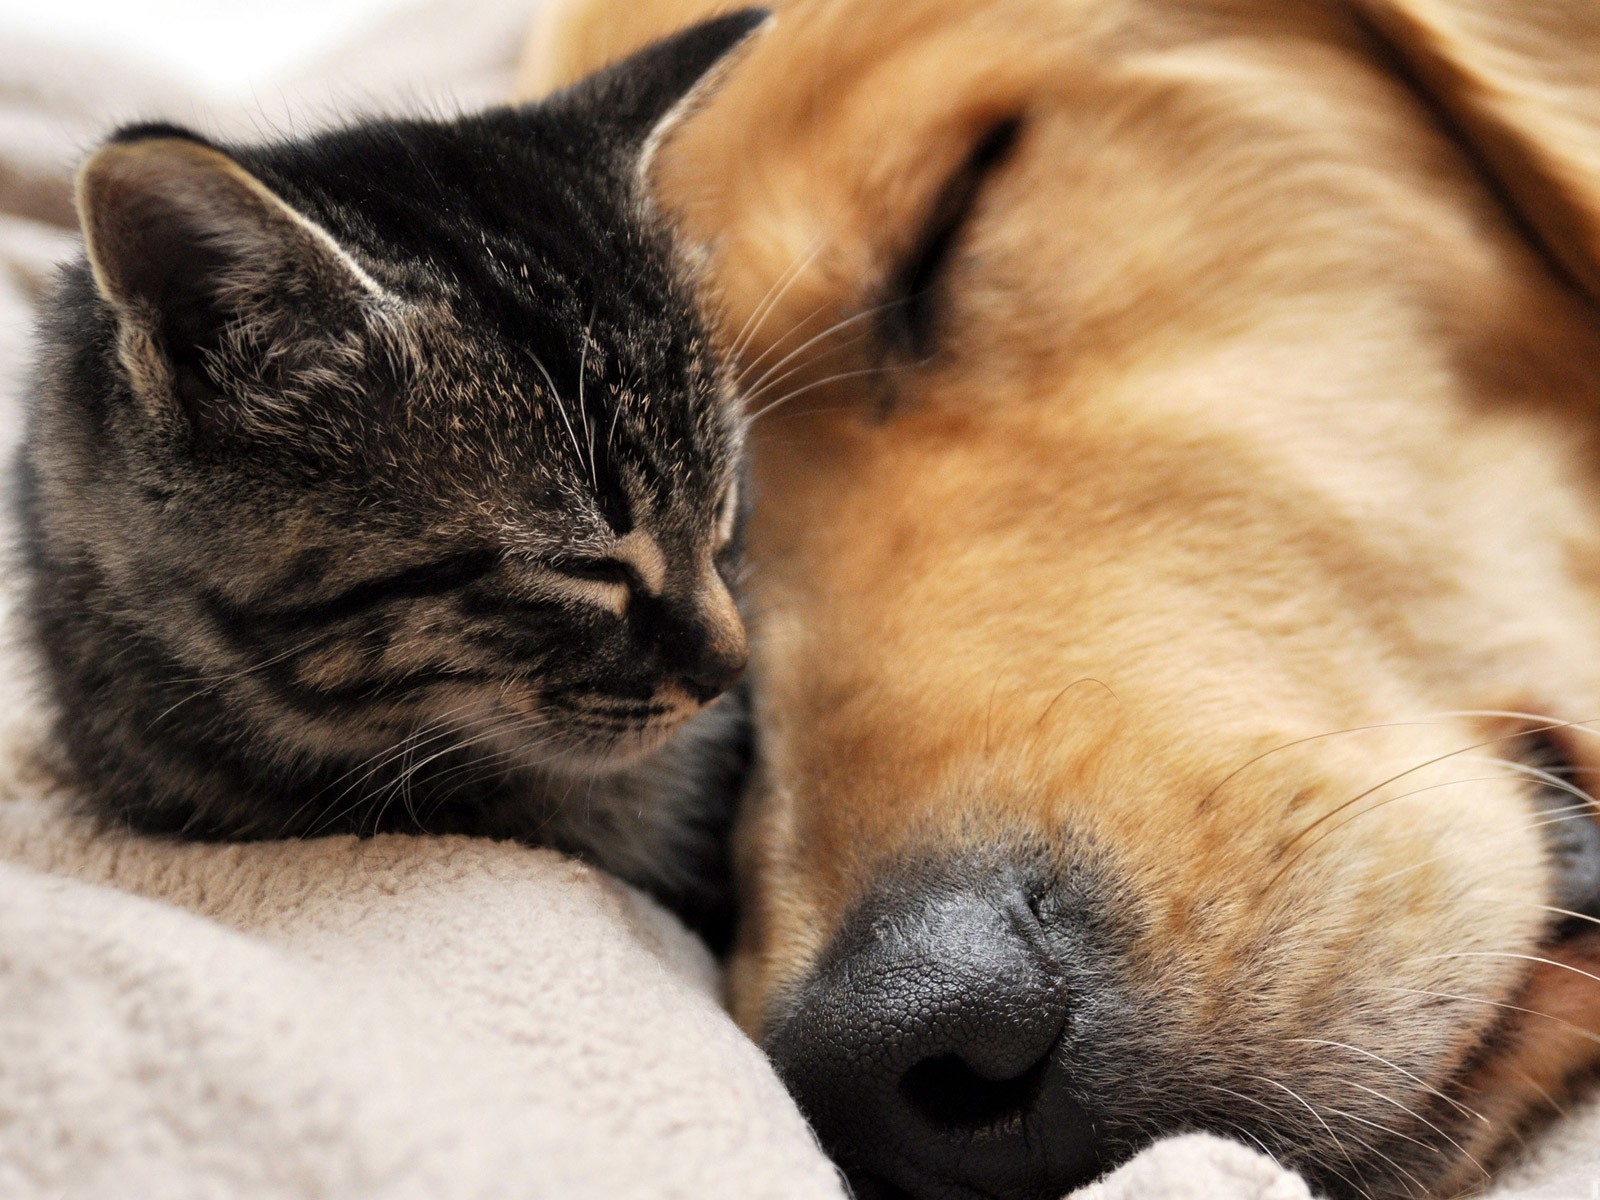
[(401, 1017)]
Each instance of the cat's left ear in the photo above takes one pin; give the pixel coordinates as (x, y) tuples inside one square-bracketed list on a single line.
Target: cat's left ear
[(648, 94), (195, 255)]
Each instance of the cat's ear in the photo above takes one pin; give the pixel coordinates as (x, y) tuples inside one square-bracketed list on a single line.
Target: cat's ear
[(648, 94), (194, 254)]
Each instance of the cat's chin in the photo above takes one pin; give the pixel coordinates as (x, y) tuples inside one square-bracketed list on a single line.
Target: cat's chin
[(627, 749), (590, 755)]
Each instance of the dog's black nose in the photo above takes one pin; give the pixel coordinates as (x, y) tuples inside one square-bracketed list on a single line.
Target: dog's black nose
[(928, 1050)]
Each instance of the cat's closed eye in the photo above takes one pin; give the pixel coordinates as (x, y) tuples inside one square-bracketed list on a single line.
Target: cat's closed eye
[(598, 570)]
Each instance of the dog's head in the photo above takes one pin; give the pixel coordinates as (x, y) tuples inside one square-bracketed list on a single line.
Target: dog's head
[(1176, 563)]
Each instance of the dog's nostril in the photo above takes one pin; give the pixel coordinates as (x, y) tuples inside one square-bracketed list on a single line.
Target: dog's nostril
[(948, 1092)]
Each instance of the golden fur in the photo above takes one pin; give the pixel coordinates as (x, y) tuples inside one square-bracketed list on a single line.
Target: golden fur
[(1247, 487)]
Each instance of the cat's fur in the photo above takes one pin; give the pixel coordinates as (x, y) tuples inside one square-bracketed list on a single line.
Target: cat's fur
[(387, 480)]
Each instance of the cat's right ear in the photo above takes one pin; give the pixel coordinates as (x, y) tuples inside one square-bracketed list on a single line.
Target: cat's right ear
[(648, 94), (191, 251)]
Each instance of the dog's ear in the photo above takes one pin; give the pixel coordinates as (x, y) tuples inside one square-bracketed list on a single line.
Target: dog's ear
[(1519, 82)]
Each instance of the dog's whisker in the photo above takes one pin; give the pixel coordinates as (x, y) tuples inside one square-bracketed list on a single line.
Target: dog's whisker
[(1386, 1130), (1279, 1119), (1586, 1034), (1311, 1108), (1059, 696), (1429, 762), (1276, 1161), (1556, 1107), (1530, 958), (1545, 722), (1552, 781), (1376, 806), (1378, 1058), (1206, 800), (1416, 1116), (1420, 1191), (1568, 914)]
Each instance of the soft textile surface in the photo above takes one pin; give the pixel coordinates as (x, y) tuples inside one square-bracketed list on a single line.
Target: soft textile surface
[(401, 1017)]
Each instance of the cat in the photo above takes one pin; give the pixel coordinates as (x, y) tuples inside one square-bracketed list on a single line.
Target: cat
[(389, 480)]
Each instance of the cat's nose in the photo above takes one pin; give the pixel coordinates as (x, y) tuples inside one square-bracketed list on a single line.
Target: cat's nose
[(717, 651), (716, 669), (930, 1051)]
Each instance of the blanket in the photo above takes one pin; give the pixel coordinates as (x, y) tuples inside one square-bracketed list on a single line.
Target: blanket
[(395, 1017)]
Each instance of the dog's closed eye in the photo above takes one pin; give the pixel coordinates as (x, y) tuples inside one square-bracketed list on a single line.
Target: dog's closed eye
[(912, 321)]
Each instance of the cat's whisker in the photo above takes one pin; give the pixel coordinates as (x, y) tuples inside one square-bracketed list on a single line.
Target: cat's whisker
[(797, 329), (814, 386), (560, 405), (774, 296), (753, 399), (831, 331), (480, 737), (437, 728), (583, 406), (212, 683)]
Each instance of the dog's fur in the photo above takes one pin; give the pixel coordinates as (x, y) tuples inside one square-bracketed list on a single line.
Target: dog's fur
[(1227, 490)]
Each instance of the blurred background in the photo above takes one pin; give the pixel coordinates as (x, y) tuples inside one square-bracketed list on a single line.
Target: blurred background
[(226, 48)]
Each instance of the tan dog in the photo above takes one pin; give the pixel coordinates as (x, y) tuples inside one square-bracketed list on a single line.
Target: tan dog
[(1180, 474)]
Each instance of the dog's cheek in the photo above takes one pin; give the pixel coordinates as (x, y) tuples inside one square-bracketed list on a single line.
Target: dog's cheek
[(780, 928)]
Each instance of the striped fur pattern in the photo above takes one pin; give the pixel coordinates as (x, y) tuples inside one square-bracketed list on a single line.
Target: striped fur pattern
[(389, 480)]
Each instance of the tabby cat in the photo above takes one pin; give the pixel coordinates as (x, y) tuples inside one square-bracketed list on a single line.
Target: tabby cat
[(388, 479)]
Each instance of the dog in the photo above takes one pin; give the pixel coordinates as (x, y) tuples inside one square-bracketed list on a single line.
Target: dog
[(1175, 572)]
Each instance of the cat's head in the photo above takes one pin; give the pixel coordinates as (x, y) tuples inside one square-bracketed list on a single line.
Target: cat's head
[(417, 424)]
